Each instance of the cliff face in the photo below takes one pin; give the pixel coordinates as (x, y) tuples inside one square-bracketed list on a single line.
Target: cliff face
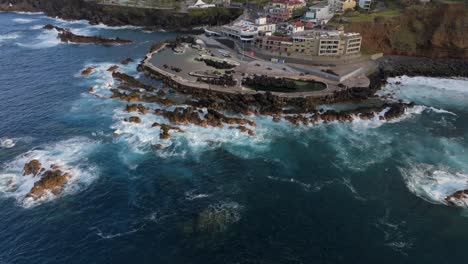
[(119, 16), (434, 31)]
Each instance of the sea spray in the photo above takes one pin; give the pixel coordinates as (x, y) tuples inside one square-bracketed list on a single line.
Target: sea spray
[(71, 156)]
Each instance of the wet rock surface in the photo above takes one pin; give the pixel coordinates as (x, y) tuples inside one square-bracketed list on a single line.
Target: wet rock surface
[(165, 129), (52, 180), (88, 71), (133, 119), (66, 36), (33, 167), (458, 199)]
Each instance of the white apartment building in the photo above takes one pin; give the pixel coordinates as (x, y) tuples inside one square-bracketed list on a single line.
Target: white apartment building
[(318, 14), (246, 31)]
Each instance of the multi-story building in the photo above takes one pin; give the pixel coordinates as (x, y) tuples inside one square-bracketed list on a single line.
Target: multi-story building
[(282, 10), (246, 31), (313, 43), (274, 43), (365, 4), (340, 6)]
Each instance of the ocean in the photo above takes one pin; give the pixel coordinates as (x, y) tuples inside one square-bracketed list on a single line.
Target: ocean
[(360, 192)]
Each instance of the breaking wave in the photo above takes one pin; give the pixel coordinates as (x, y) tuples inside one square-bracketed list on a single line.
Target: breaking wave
[(46, 39), (23, 20), (437, 93), (9, 36), (70, 155), (434, 183)]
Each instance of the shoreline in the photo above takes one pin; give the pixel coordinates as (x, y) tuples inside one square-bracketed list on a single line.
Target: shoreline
[(117, 16), (389, 66)]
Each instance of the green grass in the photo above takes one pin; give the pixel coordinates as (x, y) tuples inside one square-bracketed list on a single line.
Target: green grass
[(360, 17)]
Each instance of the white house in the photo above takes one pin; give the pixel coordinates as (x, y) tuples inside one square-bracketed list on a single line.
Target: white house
[(318, 13), (295, 27)]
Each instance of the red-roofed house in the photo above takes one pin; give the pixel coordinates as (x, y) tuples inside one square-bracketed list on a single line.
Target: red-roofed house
[(295, 27)]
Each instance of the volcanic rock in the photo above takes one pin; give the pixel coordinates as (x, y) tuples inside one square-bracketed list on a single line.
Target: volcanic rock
[(51, 181), (458, 198), (113, 68), (33, 167), (165, 130), (88, 71), (66, 36), (127, 61), (133, 119)]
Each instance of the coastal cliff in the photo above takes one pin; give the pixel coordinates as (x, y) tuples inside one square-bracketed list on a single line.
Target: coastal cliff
[(435, 31), (120, 15)]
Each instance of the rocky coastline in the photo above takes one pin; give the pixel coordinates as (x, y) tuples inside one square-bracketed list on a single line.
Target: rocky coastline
[(66, 36), (112, 15), (393, 65)]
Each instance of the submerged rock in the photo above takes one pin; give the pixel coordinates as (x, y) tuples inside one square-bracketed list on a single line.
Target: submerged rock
[(217, 218)]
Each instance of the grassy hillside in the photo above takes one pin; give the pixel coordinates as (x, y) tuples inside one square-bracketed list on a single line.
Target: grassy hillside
[(438, 30)]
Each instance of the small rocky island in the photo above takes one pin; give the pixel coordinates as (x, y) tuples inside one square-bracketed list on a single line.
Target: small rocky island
[(66, 36), (52, 180)]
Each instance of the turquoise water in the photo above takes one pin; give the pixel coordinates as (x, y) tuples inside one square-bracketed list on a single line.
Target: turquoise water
[(363, 192)]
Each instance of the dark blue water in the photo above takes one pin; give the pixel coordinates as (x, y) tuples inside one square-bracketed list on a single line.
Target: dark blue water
[(364, 192)]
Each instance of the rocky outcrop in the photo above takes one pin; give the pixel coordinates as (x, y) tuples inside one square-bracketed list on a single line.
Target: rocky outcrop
[(137, 107), (386, 112), (133, 119), (131, 81), (113, 68), (165, 129), (190, 115), (32, 168), (123, 15), (127, 61), (458, 199), (391, 66), (66, 36), (88, 71), (51, 180)]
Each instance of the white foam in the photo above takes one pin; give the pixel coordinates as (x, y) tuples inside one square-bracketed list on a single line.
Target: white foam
[(7, 143), (434, 183), (192, 195), (102, 26), (23, 20), (46, 39), (70, 155), (9, 36), (440, 93)]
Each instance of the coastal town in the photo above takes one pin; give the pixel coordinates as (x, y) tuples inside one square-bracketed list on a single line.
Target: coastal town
[(288, 60), (285, 41), (233, 131)]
